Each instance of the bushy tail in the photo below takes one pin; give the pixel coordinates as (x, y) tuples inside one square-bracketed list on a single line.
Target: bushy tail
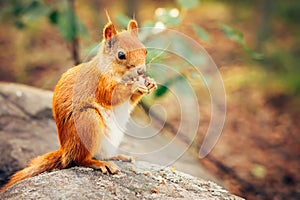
[(38, 165)]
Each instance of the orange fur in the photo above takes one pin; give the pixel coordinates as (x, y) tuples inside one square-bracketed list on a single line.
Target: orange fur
[(82, 96)]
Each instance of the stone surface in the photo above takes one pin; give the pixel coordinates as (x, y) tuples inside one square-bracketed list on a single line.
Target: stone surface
[(27, 128), (138, 180)]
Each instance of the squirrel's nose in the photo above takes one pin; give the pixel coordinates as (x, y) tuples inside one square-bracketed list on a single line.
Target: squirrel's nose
[(141, 69)]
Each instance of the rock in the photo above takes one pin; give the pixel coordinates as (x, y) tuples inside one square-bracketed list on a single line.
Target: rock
[(27, 128), (138, 180)]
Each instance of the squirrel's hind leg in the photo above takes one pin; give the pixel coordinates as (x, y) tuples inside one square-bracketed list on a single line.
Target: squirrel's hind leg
[(105, 166)]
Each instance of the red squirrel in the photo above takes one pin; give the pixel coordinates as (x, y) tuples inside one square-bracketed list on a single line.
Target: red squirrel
[(91, 100)]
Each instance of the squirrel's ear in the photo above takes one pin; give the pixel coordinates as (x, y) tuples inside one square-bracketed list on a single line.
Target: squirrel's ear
[(133, 27), (109, 31)]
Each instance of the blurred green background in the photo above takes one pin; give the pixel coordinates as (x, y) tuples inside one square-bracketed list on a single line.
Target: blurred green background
[(255, 44)]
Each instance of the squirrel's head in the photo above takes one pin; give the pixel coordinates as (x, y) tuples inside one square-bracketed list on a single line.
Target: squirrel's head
[(125, 51)]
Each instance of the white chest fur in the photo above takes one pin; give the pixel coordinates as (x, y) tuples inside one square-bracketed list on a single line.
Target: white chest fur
[(116, 121)]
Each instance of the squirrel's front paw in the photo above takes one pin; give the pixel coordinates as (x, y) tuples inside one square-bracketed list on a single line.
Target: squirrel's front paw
[(139, 87), (150, 84), (144, 85)]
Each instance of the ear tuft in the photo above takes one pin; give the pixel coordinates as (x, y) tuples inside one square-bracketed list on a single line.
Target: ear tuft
[(133, 27), (107, 15), (109, 31)]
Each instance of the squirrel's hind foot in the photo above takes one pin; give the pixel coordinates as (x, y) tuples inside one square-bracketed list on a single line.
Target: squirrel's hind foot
[(106, 167)]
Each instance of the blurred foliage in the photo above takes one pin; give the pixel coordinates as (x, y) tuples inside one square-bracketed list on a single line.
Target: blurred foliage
[(187, 4), (266, 51), (60, 14), (238, 37), (169, 17), (67, 23), (276, 21), (289, 11), (201, 33), (283, 60)]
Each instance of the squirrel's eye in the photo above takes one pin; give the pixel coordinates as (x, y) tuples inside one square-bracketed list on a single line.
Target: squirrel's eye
[(121, 55)]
